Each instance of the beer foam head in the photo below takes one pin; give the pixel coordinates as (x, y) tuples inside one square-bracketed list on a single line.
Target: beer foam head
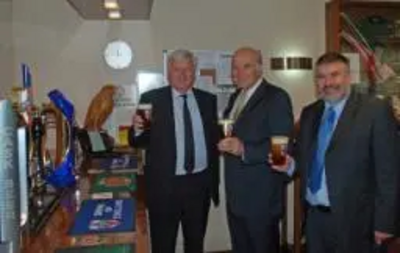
[(144, 106), (226, 121), (281, 140)]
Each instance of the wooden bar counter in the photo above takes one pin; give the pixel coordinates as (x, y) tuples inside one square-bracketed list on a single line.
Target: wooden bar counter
[(54, 234)]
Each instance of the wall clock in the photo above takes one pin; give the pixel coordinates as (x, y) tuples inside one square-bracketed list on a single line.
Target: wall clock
[(118, 54)]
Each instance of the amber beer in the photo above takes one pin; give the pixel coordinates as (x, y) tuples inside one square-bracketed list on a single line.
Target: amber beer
[(144, 111), (279, 145), (226, 126)]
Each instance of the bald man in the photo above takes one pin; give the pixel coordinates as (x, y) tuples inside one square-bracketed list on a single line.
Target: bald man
[(254, 191)]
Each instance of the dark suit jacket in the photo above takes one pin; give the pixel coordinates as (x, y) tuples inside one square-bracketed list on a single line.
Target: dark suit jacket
[(252, 187), (362, 167), (160, 145)]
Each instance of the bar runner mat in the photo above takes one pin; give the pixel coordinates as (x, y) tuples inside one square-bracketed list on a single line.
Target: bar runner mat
[(118, 248)]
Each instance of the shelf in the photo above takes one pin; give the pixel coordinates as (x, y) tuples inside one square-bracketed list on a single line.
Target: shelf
[(393, 41), (369, 5)]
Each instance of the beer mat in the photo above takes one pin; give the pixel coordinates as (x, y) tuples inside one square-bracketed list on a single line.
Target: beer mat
[(126, 163), (113, 183), (118, 248), (104, 216), (104, 239), (110, 195)]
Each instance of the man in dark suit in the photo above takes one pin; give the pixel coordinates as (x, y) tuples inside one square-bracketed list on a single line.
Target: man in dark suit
[(254, 192), (182, 166), (347, 154)]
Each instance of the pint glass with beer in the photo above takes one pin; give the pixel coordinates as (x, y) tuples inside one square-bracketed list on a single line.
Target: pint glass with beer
[(279, 146), (144, 111), (226, 126)]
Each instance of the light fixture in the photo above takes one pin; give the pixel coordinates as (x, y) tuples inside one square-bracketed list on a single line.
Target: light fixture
[(302, 63), (277, 63), (111, 4), (291, 63), (114, 15)]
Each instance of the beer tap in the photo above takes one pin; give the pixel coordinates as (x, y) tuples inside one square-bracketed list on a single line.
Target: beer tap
[(37, 171)]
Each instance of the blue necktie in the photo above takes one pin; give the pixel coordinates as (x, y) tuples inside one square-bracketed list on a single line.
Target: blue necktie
[(324, 136)]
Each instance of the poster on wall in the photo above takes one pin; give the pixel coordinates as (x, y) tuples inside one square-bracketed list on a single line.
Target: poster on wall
[(149, 80), (125, 101)]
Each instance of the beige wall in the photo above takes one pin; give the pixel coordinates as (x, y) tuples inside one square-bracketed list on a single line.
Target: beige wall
[(277, 27), (65, 51), (6, 52)]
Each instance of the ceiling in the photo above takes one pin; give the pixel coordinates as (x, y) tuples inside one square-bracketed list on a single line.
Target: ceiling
[(130, 9)]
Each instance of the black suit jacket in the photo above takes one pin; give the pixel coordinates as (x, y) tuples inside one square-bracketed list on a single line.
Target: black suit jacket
[(362, 166), (160, 145), (252, 187)]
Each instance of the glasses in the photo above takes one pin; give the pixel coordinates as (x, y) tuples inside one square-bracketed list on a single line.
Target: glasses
[(145, 111), (279, 146), (226, 126)]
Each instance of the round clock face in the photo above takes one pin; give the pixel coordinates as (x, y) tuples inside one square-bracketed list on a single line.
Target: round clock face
[(118, 54)]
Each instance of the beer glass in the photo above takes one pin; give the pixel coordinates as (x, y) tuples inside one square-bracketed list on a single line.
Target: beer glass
[(144, 111), (279, 146), (226, 126)]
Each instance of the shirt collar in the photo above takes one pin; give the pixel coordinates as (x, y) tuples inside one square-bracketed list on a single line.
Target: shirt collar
[(176, 93), (253, 88), (338, 106)]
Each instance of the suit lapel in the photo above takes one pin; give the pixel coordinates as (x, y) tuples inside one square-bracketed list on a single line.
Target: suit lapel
[(312, 129), (203, 109), (257, 96), (316, 121), (166, 103), (345, 121), (231, 102)]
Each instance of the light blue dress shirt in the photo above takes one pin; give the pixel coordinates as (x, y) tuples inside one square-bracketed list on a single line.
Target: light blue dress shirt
[(198, 132), (321, 196)]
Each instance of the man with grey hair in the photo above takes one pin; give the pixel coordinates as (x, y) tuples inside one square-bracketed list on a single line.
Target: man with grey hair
[(254, 191), (182, 169)]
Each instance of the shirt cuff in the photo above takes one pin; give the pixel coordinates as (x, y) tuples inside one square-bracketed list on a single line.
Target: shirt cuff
[(244, 154), (291, 167), (138, 132)]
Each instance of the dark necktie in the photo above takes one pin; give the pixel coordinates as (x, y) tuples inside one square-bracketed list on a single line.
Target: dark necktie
[(324, 136), (189, 141)]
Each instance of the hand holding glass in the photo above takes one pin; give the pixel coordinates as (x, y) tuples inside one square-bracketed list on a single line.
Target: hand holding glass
[(145, 111), (226, 125), (279, 146)]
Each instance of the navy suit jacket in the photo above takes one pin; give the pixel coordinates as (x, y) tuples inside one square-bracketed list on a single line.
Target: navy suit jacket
[(160, 145), (252, 187)]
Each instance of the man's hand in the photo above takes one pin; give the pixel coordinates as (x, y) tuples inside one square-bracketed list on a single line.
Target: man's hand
[(231, 145), (281, 167), (138, 123), (381, 236)]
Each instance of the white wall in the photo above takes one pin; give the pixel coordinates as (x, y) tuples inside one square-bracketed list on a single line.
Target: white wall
[(65, 52), (6, 50)]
